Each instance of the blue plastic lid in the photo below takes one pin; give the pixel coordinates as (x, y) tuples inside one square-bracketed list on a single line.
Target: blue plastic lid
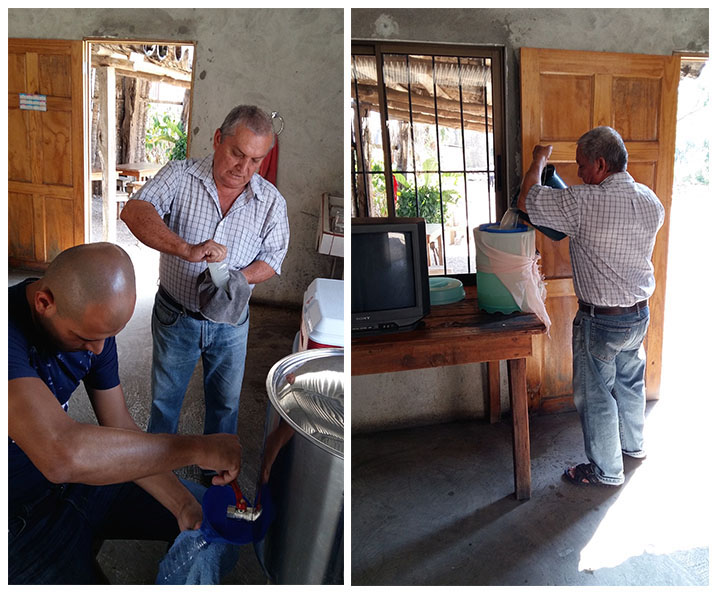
[(445, 290), (495, 228), (218, 528)]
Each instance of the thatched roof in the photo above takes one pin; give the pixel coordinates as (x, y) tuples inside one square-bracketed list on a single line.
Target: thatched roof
[(443, 87), (169, 63)]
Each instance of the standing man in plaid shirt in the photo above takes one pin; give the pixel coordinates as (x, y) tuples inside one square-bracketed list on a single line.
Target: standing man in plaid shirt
[(195, 212), (612, 222)]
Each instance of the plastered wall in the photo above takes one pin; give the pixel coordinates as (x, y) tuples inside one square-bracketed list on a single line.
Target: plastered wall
[(285, 60), (428, 396)]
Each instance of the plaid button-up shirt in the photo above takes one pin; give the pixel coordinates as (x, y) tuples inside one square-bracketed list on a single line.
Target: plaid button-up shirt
[(256, 227), (612, 228)]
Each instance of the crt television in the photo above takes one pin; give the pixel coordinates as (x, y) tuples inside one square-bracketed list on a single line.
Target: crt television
[(389, 274)]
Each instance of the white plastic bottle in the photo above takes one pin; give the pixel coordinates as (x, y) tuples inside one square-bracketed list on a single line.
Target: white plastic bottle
[(219, 272)]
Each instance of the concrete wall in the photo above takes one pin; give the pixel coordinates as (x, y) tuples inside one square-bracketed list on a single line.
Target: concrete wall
[(285, 60), (429, 396)]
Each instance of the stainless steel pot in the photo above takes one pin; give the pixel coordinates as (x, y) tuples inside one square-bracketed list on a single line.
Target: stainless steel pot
[(303, 464)]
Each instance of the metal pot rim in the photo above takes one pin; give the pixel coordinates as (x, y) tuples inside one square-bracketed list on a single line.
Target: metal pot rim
[(281, 368)]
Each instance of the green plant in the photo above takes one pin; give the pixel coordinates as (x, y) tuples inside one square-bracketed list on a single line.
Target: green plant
[(429, 199), (166, 139)]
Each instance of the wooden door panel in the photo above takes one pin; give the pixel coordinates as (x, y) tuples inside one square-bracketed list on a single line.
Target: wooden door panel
[(636, 103), (20, 210), (55, 74), (644, 173), (16, 73), (19, 162), (56, 130), (59, 224), (46, 198), (574, 91), (565, 94)]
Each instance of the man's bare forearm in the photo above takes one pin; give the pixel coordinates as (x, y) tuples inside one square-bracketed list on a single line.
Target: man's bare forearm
[(98, 455), (257, 272), (541, 154), (149, 228)]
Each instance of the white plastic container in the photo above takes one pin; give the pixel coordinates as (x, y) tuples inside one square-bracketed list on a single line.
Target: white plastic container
[(322, 317), (494, 247)]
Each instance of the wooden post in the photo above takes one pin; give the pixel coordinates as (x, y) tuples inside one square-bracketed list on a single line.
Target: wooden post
[(494, 392), (521, 432), (108, 118)]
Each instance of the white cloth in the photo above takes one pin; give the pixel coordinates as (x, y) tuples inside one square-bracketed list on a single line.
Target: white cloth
[(520, 275), (612, 228)]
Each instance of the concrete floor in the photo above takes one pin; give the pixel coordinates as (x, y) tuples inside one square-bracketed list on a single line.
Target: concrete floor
[(271, 336), (435, 506)]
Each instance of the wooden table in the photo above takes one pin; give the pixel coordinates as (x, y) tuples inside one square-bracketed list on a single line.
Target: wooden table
[(141, 171), (460, 333)]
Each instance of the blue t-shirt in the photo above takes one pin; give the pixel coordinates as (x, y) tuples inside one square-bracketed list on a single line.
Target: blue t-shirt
[(30, 355)]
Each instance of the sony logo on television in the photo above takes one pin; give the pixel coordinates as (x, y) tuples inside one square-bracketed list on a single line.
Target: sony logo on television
[(363, 317)]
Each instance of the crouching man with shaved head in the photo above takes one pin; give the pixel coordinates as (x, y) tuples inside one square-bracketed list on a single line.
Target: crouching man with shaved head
[(72, 485)]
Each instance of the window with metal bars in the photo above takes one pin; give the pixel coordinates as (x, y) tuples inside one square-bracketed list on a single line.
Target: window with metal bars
[(428, 140)]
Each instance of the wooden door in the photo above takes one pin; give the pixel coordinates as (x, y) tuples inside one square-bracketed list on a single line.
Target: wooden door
[(46, 189), (564, 94)]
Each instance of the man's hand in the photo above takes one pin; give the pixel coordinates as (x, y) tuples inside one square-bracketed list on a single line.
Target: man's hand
[(209, 251), (189, 516), (221, 453), (542, 152)]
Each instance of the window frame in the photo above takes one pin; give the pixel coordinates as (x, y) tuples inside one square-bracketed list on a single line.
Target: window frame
[(497, 56)]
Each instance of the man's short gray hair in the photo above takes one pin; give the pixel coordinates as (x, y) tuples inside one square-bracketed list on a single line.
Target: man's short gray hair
[(249, 116), (604, 142)]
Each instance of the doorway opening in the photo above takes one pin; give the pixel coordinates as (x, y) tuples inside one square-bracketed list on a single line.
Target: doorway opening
[(687, 268), (138, 102)]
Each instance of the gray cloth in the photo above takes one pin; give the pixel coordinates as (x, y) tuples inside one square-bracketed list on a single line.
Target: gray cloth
[(223, 305)]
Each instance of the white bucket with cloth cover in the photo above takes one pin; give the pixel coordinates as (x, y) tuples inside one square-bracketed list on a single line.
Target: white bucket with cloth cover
[(507, 275)]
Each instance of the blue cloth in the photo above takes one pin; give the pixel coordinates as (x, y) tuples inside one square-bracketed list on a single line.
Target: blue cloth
[(178, 342), (30, 355), (609, 388)]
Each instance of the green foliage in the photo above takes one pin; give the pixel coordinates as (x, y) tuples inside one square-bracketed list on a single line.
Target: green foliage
[(429, 195), (429, 199), (166, 139)]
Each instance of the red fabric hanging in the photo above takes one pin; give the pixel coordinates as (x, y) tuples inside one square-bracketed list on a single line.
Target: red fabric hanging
[(268, 167)]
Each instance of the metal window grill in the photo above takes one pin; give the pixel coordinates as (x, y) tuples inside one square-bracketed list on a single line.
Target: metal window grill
[(426, 141)]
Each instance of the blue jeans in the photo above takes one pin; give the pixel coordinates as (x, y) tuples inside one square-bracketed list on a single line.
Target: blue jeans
[(178, 342), (53, 538), (609, 388)]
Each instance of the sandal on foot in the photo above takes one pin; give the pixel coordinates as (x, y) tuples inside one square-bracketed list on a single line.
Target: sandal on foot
[(582, 474)]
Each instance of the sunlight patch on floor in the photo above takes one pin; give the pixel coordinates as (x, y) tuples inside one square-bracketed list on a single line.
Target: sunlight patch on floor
[(662, 507)]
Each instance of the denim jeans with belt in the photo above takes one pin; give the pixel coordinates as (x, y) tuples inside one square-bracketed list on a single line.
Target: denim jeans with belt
[(179, 340), (609, 387)]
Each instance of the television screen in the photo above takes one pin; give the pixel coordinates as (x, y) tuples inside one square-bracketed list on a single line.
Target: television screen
[(389, 274), (387, 280)]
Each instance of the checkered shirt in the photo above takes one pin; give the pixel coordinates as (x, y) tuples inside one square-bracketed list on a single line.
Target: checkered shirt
[(256, 227), (612, 228)]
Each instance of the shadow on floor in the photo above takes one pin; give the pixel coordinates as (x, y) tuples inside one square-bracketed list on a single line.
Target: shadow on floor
[(435, 506)]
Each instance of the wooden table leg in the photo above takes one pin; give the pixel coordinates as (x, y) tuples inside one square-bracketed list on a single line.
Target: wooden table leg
[(521, 432), (494, 392)]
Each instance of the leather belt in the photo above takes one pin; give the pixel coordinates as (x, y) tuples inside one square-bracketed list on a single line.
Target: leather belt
[(611, 310), (177, 306)]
